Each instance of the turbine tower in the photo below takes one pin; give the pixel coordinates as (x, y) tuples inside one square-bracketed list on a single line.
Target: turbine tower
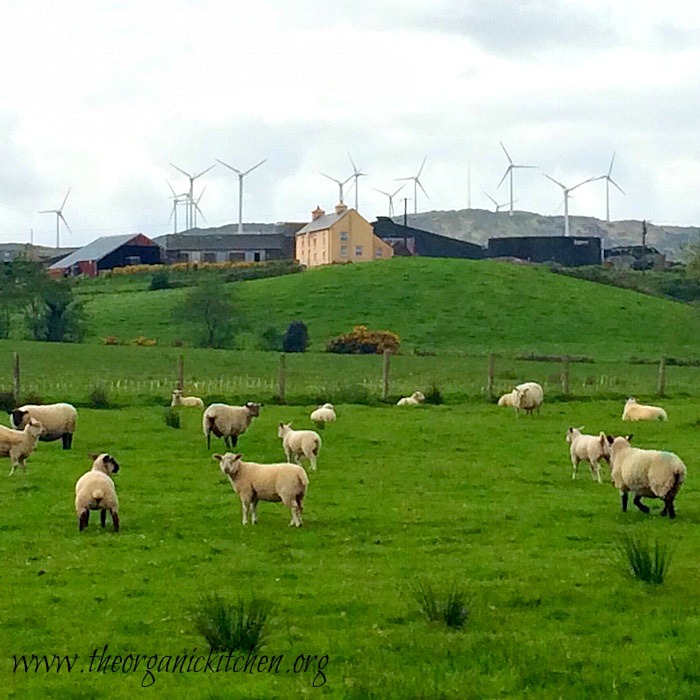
[(241, 175), (177, 200), (496, 204), (567, 191), (357, 174), (509, 174), (416, 185), (59, 216), (608, 180), (340, 185), (391, 197), (190, 196)]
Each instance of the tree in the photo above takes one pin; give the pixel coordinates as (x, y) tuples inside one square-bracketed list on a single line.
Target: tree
[(208, 310), (692, 268), (296, 337), (53, 315)]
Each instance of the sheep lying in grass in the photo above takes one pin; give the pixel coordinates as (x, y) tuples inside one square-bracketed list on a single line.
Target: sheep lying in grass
[(590, 447), (255, 482), (415, 399), (95, 490), (647, 473), (19, 444), (227, 421), (322, 415), (180, 400), (638, 411), (299, 443), (59, 421)]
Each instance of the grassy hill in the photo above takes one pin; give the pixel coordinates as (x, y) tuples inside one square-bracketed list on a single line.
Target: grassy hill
[(444, 306)]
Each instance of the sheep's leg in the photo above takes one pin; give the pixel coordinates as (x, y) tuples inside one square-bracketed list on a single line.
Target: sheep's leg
[(115, 519), (67, 440), (669, 508), (244, 508), (312, 459), (296, 516), (208, 440), (83, 519), (625, 497), (595, 471), (637, 502), (103, 517), (574, 463), (254, 512)]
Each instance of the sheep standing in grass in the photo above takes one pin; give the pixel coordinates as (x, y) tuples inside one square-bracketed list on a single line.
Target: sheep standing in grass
[(19, 444), (298, 444), (506, 400), (180, 400), (322, 415), (526, 397), (95, 490), (227, 421), (255, 482), (646, 473), (59, 421), (590, 447), (415, 399), (638, 411)]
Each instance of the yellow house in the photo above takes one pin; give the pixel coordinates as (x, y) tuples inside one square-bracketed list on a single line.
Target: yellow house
[(344, 236)]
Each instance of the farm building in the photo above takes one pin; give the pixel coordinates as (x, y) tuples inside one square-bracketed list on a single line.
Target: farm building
[(635, 257), (412, 241), (571, 251), (107, 253)]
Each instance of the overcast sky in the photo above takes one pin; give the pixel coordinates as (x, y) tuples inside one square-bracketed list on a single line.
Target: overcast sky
[(101, 97)]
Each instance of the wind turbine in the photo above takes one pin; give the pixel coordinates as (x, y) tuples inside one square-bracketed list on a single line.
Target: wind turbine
[(567, 191), (191, 203), (509, 174), (357, 174), (59, 216), (241, 175), (391, 197), (416, 185), (496, 204), (340, 185), (177, 199), (196, 206), (608, 180)]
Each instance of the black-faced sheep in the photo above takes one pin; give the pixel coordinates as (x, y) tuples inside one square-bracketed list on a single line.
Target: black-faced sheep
[(59, 421), (95, 490), (227, 421)]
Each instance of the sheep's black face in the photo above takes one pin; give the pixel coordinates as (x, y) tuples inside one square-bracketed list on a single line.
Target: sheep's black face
[(110, 464), (18, 418), (253, 408)]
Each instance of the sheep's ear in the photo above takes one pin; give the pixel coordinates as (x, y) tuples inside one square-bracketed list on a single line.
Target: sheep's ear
[(629, 437), (610, 439), (93, 455), (237, 457), (217, 457)]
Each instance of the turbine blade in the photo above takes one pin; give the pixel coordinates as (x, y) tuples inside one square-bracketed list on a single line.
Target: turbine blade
[(352, 162), (200, 194), (250, 170), (194, 177), (171, 188), (180, 170), (491, 198), (230, 167), (612, 160), (423, 188), (590, 179), (196, 206), (525, 166), (48, 211), (554, 181), (172, 212), (383, 192), (510, 160), (399, 190), (338, 182), (398, 179), (348, 180), (616, 185), (420, 170), (505, 175), (64, 199), (60, 216)]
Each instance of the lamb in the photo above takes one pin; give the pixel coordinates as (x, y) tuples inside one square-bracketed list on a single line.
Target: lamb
[(322, 415), (58, 419), (590, 447), (648, 473), (19, 444), (299, 443), (638, 411), (180, 400), (255, 482), (506, 400), (527, 397), (416, 398), (95, 490), (227, 421)]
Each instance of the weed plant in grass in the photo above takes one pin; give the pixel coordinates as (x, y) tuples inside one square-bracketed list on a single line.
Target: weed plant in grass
[(172, 417), (450, 609), (647, 563)]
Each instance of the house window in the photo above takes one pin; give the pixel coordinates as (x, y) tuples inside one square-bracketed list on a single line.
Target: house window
[(133, 260), (208, 256), (344, 251), (236, 255), (358, 251), (343, 235), (377, 252)]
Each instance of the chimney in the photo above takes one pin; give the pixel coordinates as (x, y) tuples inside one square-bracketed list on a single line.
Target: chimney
[(341, 208), (317, 213)]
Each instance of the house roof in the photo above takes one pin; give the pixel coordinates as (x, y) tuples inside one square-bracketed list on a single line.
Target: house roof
[(323, 222), (217, 241), (95, 250)]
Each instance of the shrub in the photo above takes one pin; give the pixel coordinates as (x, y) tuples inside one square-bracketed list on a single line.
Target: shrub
[(362, 341), (172, 417), (452, 610), (7, 401), (296, 337), (645, 564), (433, 395), (99, 398), (271, 339), (232, 627), (160, 279)]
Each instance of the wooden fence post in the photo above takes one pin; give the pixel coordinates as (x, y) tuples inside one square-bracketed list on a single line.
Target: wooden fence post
[(492, 374), (385, 375), (565, 376), (282, 378), (181, 372), (661, 389), (15, 375)]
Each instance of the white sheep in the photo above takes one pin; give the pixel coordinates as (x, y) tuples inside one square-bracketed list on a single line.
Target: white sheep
[(638, 411), (19, 444), (647, 473), (255, 482), (527, 397), (59, 421), (590, 447), (95, 490), (299, 443), (180, 400), (322, 415), (506, 400), (227, 421), (416, 398)]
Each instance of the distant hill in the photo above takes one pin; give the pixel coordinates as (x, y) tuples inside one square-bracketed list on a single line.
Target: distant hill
[(478, 225)]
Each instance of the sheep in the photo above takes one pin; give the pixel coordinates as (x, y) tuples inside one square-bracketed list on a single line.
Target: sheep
[(299, 443), (590, 447), (638, 411), (95, 490), (322, 415), (648, 473), (19, 444), (180, 400), (227, 421), (255, 482), (506, 400), (416, 398), (58, 419), (527, 397)]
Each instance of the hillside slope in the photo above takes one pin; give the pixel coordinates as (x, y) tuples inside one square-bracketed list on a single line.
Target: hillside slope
[(434, 305)]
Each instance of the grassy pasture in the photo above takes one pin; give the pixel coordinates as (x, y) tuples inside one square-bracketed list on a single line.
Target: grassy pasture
[(464, 493)]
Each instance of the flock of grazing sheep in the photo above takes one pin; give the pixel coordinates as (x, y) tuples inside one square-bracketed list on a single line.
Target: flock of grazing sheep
[(644, 473)]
